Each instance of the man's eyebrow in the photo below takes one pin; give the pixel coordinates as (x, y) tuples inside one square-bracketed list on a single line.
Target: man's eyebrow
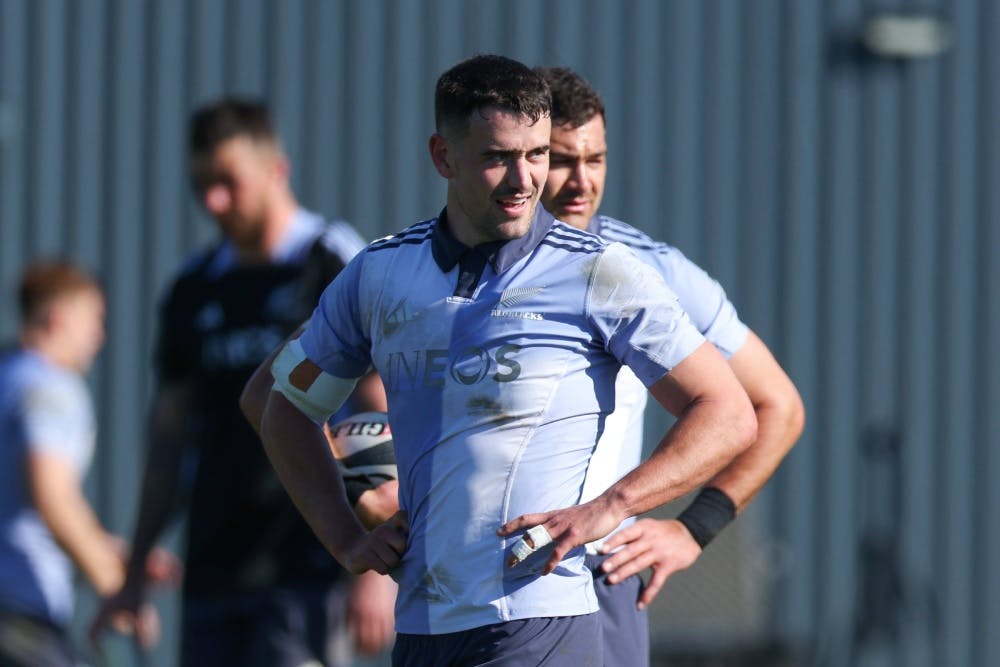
[(502, 152)]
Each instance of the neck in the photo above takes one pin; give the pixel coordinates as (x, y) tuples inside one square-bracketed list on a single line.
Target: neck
[(278, 219), (48, 347)]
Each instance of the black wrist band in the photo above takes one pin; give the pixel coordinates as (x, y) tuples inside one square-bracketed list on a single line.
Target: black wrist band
[(706, 516)]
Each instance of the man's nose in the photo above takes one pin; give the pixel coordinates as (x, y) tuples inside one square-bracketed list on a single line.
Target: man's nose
[(519, 175), (579, 174)]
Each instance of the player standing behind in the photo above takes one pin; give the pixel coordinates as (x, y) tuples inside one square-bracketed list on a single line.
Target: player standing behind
[(47, 435), (498, 333), (577, 171), (258, 588)]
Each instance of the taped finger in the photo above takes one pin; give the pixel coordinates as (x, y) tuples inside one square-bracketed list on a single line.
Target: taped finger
[(533, 540)]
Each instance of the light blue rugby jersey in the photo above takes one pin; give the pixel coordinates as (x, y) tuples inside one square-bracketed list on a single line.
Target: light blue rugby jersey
[(496, 398), (711, 312), (43, 409)]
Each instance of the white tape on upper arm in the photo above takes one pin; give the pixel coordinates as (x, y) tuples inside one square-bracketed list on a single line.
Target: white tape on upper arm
[(316, 393)]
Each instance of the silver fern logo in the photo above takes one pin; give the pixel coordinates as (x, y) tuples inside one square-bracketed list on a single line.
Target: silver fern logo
[(514, 295)]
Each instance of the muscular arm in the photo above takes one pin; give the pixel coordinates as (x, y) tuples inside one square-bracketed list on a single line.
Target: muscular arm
[(301, 456), (374, 506), (368, 395), (715, 423), (667, 546), (58, 496), (780, 420)]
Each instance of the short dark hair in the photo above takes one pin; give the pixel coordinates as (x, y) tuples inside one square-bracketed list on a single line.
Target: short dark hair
[(43, 282), (489, 81), (574, 101), (223, 119)]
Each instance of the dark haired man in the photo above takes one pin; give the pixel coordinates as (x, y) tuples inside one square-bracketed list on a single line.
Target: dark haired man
[(258, 588), (498, 333), (573, 192)]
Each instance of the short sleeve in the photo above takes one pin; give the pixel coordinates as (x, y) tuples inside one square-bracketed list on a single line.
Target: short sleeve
[(705, 301), (336, 338), (58, 419), (638, 316)]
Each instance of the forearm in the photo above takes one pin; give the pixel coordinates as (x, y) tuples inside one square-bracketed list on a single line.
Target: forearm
[(301, 456), (157, 501), (780, 420), (57, 496), (169, 434), (77, 530), (375, 506), (779, 427), (706, 437)]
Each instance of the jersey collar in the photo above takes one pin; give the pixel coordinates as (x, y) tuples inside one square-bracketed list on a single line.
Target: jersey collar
[(447, 250), (595, 224)]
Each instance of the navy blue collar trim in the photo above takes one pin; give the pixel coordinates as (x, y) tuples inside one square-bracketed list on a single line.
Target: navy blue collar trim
[(502, 255)]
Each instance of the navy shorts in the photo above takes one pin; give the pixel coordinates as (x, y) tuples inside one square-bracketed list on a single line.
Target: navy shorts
[(625, 628), (564, 641), (30, 642), (273, 628)]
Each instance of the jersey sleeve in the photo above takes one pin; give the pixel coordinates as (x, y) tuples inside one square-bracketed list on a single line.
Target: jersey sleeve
[(58, 420), (638, 316), (336, 338), (705, 301)]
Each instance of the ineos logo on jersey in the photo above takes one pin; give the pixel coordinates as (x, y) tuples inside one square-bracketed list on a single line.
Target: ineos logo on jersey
[(239, 348), (422, 369)]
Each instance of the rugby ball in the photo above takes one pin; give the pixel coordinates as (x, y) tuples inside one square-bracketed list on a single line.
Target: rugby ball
[(362, 444)]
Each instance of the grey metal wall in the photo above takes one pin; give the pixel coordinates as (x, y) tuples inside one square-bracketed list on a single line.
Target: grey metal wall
[(849, 203)]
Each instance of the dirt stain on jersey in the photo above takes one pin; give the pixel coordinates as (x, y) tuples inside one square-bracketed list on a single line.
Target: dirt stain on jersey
[(487, 406)]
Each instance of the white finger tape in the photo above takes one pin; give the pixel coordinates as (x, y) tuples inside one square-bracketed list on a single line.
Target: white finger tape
[(537, 535), (521, 550)]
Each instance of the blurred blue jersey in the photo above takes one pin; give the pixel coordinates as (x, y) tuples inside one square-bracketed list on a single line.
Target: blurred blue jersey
[(43, 409)]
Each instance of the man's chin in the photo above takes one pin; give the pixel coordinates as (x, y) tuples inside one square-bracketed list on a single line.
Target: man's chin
[(514, 229)]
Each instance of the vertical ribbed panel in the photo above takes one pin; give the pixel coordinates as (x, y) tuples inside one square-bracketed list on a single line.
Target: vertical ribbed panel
[(849, 205)]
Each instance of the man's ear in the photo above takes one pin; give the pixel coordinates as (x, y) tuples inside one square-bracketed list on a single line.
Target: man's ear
[(440, 155)]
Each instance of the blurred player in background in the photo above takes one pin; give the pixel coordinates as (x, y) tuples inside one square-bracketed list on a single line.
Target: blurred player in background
[(578, 163), (258, 588), (47, 436)]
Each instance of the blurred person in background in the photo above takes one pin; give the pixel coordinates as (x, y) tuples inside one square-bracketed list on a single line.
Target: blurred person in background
[(259, 589), (47, 438), (578, 164)]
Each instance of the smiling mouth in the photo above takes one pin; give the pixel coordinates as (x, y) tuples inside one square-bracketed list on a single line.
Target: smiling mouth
[(516, 202)]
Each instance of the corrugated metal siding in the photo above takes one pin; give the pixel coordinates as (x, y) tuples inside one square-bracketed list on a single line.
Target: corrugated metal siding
[(849, 204)]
